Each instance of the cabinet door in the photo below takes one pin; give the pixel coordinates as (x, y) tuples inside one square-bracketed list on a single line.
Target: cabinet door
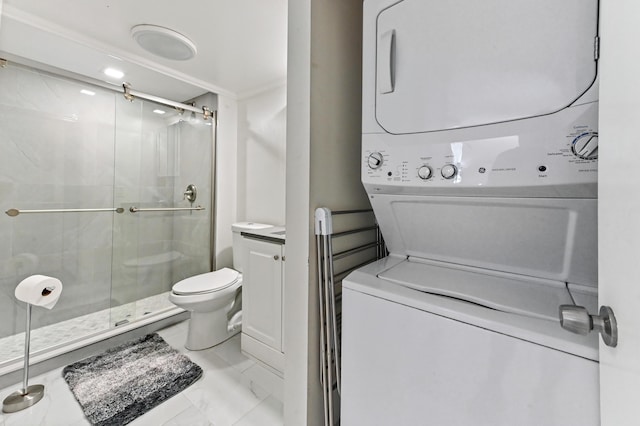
[(262, 293)]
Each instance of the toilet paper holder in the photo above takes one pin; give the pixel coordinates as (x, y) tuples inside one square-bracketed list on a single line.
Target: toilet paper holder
[(29, 394)]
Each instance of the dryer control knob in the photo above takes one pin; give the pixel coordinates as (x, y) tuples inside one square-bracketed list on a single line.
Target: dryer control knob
[(424, 172), (375, 160), (585, 146), (448, 171)]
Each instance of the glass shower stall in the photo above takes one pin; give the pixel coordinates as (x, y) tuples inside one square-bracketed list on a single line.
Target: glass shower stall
[(111, 196)]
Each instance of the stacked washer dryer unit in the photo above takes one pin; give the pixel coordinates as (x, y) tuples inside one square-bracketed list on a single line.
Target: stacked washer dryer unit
[(480, 161)]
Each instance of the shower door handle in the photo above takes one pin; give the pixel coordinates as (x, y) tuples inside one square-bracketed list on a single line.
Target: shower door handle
[(16, 212), (134, 209)]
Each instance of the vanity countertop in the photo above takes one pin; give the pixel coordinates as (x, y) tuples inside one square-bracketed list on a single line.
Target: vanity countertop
[(275, 235)]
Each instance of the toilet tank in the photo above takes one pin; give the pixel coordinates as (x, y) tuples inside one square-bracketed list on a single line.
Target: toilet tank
[(239, 253)]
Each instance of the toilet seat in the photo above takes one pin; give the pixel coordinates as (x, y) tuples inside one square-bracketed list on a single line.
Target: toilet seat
[(207, 283)]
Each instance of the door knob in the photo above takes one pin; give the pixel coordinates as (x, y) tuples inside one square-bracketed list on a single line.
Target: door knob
[(576, 319)]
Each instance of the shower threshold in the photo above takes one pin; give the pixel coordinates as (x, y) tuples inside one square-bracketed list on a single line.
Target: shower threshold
[(92, 328)]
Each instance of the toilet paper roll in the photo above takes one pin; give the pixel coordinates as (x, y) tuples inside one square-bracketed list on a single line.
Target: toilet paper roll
[(39, 290)]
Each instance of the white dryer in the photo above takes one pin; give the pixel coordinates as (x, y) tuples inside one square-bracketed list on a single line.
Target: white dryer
[(480, 160)]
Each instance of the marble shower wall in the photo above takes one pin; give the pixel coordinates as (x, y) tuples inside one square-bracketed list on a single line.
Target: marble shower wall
[(60, 148)]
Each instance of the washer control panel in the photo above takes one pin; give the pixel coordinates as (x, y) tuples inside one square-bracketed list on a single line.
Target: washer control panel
[(375, 160), (544, 151), (448, 171), (585, 146), (425, 172)]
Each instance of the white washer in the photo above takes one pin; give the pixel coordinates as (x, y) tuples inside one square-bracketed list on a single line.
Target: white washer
[(480, 161), (416, 358)]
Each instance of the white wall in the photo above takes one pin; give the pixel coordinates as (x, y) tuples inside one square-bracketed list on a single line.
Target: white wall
[(261, 156), (226, 181), (296, 286), (323, 158)]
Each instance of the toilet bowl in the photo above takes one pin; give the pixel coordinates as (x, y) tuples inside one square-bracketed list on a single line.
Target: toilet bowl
[(209, 297), (212, 297)]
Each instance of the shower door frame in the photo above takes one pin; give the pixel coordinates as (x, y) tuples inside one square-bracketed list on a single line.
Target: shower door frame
[(12, 365)]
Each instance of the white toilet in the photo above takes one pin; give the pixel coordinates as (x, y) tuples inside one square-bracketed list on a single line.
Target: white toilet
[(211, 297)]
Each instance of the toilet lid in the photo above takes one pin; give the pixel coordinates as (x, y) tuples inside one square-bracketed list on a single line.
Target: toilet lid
[(207, 283)]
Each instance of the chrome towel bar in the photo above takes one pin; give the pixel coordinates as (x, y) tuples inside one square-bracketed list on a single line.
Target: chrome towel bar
[(134, 209), (16, 212)]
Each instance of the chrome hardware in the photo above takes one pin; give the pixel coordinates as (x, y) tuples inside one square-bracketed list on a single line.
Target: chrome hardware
[(576, 319), (29, 394), (3, 63), (191, 193), (16, 212), (206, 113), (127, 92), (276, 257), (130, 94), (134, 209)]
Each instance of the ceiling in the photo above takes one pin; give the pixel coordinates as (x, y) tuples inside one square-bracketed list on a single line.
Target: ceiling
[(242, 44)]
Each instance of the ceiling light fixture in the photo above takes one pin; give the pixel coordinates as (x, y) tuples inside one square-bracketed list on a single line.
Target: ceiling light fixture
[(164, 42), (112, 72)]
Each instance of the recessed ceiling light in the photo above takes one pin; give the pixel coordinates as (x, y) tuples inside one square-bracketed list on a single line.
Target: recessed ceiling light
[(112, 72), (164, 42), (87, 92), (159, 111)]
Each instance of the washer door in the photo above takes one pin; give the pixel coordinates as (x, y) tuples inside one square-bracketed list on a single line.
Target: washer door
[(446, 64)]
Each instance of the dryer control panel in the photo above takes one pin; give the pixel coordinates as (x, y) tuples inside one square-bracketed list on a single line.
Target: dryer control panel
[(539, 156)]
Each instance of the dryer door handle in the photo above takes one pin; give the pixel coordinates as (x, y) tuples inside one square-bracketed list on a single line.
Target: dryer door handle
[(386, 62), (576, 319)]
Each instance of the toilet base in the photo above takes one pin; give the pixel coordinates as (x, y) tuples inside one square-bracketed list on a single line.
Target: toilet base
[(207, 329)]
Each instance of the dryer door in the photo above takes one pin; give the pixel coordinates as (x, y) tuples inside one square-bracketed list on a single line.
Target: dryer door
[(445, 64)]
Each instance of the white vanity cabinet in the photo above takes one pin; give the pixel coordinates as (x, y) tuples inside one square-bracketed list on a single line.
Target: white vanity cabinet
[(262, 307)]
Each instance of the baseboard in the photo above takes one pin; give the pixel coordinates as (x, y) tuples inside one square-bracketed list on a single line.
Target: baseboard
[(265, 355)]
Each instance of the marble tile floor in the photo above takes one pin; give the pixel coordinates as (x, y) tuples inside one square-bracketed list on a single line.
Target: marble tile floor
[(233, 390)]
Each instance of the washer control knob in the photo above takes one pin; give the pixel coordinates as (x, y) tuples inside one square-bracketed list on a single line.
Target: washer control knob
[(424, 172), (585, 146), (448, 171), (375, 160)]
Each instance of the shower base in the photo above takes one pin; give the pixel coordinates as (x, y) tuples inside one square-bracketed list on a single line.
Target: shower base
[(76, 332)]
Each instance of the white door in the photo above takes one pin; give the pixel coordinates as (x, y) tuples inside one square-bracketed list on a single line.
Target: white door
[(619, 208)]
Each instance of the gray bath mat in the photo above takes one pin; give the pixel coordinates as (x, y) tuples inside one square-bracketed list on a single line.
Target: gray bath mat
[(126, 381)]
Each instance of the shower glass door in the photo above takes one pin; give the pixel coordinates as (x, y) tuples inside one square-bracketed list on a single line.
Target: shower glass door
[(56, 153), (159, 152), (67, 145)]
